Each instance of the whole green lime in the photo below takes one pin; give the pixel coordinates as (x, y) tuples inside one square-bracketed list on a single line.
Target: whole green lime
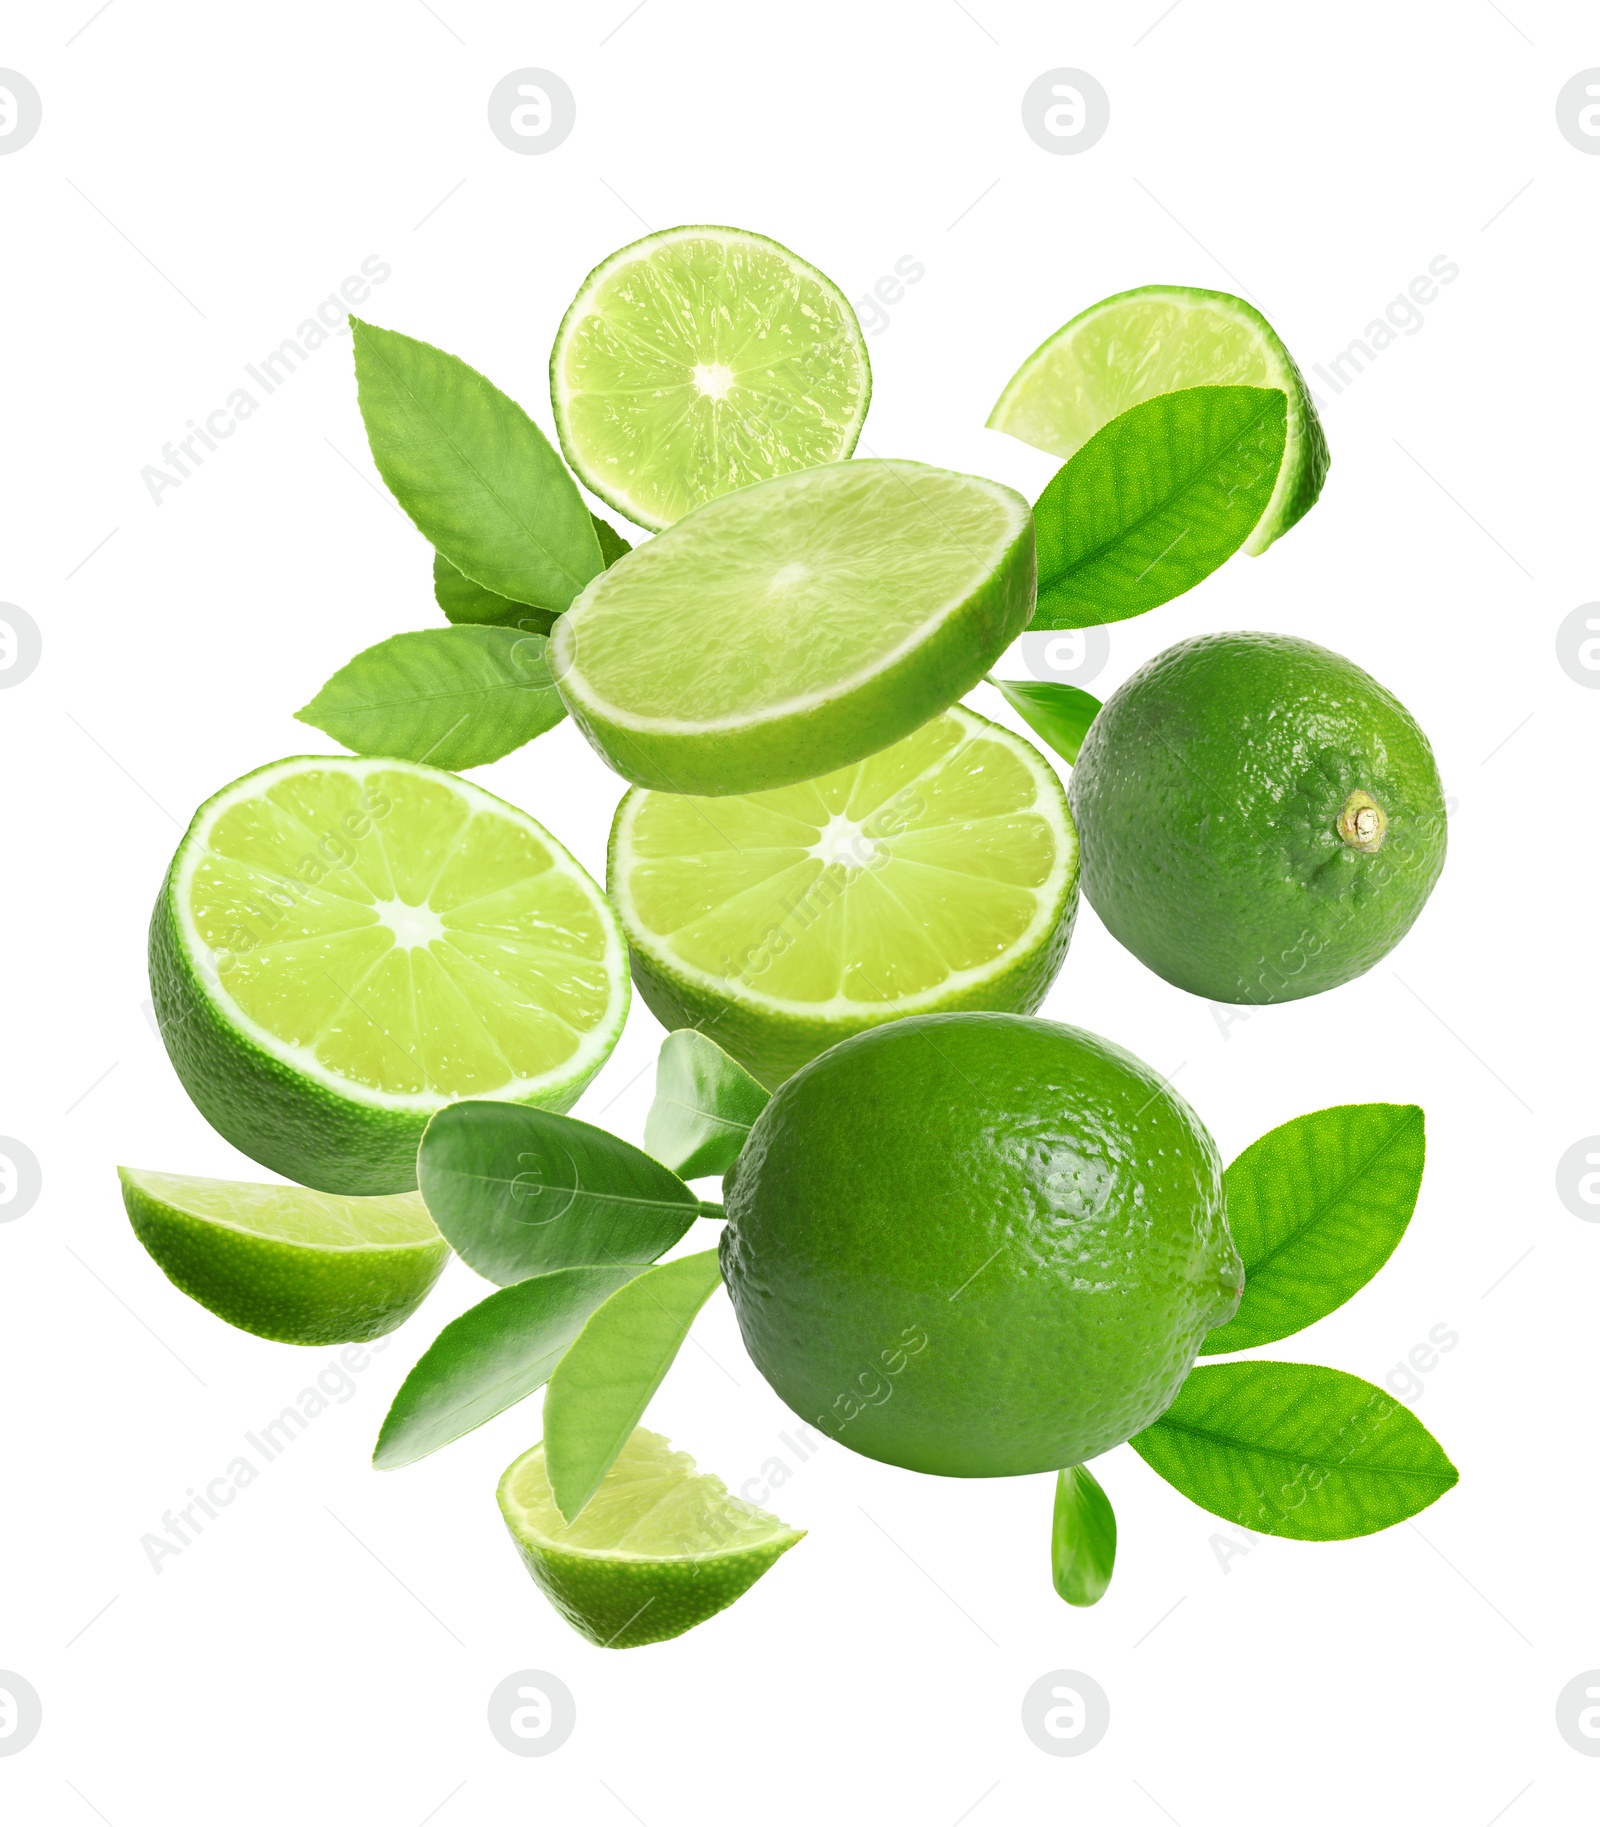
[(1260, 820), (978, 1244)]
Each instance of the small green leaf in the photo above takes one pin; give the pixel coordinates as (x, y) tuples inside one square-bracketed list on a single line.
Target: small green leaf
[(612, 545), (1155, 501), (473, 471), (1316, 1207), (704, 1106), (464, 601), (455, 697), (1296, 1450), (1083, 1537), (518, 1191), (603, 1385), (493, 1355), (1059, 714)]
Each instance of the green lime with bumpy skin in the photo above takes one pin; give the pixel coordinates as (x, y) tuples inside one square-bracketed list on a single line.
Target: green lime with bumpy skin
[(941, 873), (978, 1245), (1260, 819), (658, 1549), (301, 1267), (343, 946), (795, 626)]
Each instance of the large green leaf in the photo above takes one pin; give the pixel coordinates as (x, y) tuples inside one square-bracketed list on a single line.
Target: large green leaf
[(603, 1385), (1316, 1206), (704, 1106), (462, 600), (1059, 714), (473, 471), (1155, 501), (493, 1355), (455, 697), (1083, 1537), (518, 1191), (1297, 1450)]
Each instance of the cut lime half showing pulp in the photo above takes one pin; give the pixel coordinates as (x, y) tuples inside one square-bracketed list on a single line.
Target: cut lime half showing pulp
[(301, 1267), (796, 626), (701, 359), (939, 874), (1157, 339), (343, 946), (658, 1549)]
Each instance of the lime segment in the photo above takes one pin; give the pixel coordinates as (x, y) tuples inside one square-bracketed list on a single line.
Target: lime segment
[(701, 359)]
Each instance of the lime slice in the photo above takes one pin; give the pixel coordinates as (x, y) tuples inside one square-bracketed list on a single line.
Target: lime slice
[(1153, 340), (303, 1268), (940, 874), (800, 624), (658, 1549), (342, 946), (700, 359)]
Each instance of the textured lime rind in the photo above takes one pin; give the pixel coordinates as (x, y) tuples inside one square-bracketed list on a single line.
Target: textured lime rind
[(295, 1293)]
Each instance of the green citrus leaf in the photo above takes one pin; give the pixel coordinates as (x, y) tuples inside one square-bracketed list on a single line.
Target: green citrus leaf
[(705, 1104), (1316, 1207), (1083, 1537), (603, 1385), (1155, 501), (473, 471), (517, 1191), (492, 1356), (464, 601), (612, 545), (1297, 1450), (455, 697), (1059, 714)]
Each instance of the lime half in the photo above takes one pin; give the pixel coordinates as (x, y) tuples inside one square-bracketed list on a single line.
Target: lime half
[(1153, 340), (342, 946), (698, 360), (658, 1549), (301, 1267), (939, 874), (795, 626)]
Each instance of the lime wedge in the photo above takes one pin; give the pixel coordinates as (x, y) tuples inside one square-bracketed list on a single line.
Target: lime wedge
[(300, 1267), (700, 359), (1153, 340), (342, 946), (797, 625), (658, 1549), (939, 874)]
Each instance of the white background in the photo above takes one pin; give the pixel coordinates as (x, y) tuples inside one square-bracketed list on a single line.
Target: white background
[(203, 177)]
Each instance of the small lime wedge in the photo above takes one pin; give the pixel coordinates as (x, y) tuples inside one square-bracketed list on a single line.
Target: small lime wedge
[(301, 1267), (796, 626), (658, 1549), (701, 359), (1156, 339)]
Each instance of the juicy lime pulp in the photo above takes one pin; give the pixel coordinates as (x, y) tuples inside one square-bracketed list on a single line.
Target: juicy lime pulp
[(658, 1549), (796, 626), (1260, 819), (1156, 339), (938, 873), (342, 946), (304, 1268), (977, 1245), (701, 359)]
